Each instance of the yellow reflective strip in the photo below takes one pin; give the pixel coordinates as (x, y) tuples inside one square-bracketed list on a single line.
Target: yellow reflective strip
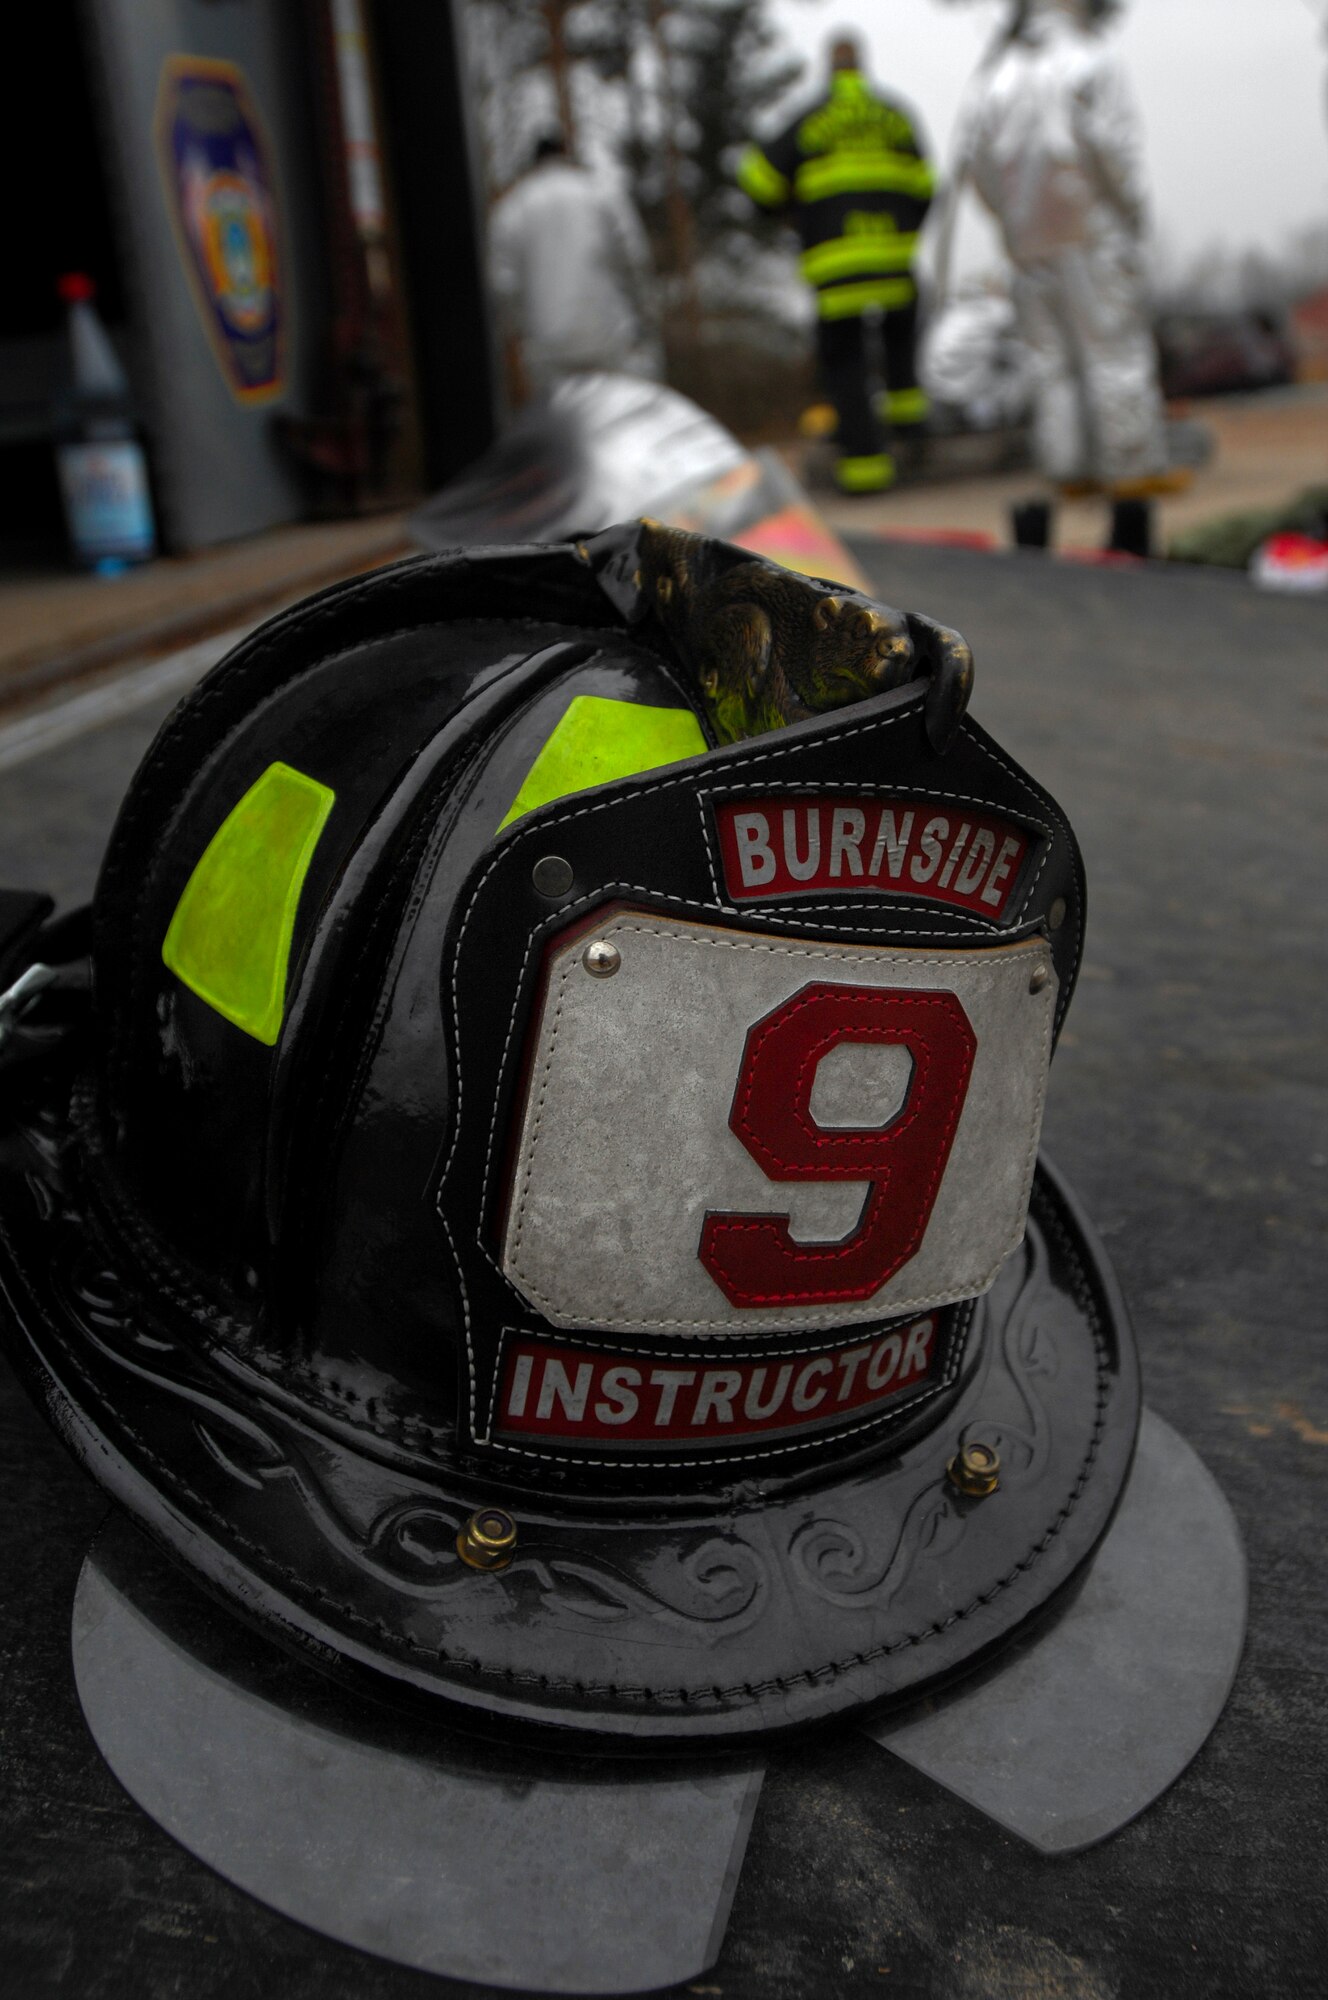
[(907, 406), (847, 256), (762, 181), (864, 173), (866, 475), (230, 938), (842, 301), (851, 108), (597, 741)]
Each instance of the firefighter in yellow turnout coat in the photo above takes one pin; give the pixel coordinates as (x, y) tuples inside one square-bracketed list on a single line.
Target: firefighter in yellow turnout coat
[(853, 175)]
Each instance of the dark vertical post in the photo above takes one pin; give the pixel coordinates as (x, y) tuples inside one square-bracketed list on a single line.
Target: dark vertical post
[(437, 201)]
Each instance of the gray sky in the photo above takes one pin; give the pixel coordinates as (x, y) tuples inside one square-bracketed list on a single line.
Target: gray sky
[(1231, 92)]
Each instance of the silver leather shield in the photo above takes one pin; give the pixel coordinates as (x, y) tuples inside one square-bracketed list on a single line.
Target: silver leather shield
[(675, 1131)]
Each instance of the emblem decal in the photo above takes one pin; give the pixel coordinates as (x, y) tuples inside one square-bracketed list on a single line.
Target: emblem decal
[(778, 847), (222, 198)]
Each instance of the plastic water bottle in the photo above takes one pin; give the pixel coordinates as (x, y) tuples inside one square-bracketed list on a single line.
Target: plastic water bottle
[(99, 456)]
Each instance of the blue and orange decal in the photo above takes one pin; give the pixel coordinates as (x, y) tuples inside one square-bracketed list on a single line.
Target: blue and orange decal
[(216, 167)]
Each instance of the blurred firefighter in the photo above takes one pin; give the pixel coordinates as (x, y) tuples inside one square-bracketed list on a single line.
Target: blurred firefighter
[(853, 174), (573, 277), (1050, 140)]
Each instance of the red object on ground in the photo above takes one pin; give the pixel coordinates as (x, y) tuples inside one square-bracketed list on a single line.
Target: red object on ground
[(941, 538), (1292, 562), (75, 286), (1103, 558)]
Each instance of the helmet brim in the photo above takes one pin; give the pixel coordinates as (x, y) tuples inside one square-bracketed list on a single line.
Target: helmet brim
[(737, 1615)]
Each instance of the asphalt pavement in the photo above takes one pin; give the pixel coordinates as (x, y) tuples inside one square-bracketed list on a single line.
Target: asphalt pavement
[(65, 767)]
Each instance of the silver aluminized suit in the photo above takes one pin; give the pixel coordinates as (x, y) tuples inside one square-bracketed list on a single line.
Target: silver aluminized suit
[(1050, 140), (571, 269)]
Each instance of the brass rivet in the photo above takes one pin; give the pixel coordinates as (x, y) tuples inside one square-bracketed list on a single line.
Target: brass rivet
[(552, 875), (1056, 914), (487, 1540), (1038, 978), (601, 959), (975, 1470)]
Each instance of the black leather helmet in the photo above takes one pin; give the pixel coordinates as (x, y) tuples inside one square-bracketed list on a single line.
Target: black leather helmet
[(542, 1208)]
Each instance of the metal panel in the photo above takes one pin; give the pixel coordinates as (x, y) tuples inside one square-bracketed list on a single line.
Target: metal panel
[(435, 183), (220, 472)]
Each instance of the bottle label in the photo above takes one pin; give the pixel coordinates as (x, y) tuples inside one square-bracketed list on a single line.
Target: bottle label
[(107, 502)]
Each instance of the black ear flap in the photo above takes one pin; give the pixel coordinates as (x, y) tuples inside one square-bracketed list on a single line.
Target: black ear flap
[(45, 980), (22, 914), (66, 938)]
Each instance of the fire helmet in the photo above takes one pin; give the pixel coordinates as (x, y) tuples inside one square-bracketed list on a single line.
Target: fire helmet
[(542, 1208)]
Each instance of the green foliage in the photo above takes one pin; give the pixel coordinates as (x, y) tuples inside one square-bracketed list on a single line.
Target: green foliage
[(734, 73), (676, 88), (727, 69), (1230, 541)]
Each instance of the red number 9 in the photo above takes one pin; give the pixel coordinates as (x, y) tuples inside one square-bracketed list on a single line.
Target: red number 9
[(753, 1258)]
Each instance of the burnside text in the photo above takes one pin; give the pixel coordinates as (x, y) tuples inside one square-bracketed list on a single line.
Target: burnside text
[(788, 847)]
